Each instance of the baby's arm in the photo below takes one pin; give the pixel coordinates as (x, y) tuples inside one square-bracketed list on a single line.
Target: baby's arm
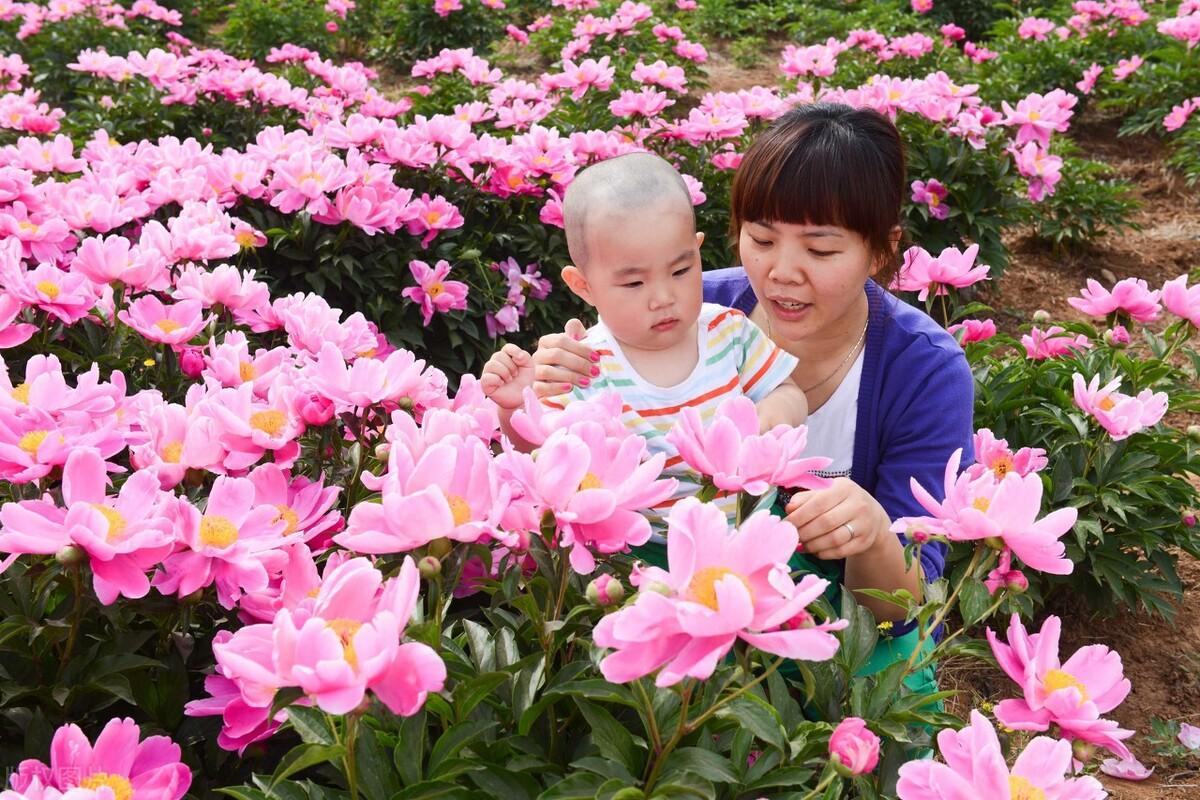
[(504, 379), (785, 405)]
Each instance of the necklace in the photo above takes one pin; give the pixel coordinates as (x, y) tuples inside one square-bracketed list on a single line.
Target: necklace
[(842, 363)]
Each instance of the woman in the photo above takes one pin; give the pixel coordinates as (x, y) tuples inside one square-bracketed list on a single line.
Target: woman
[(815, 210)]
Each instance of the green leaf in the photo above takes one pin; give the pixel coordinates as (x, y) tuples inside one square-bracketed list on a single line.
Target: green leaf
[(304, 756), (454, 740), (378, 778), (577, 786), (242, 793), (471, 694), (432, 790), (758, 717), (611, 738), (973, 601), (704, 763), (285, 697), (312, 725)]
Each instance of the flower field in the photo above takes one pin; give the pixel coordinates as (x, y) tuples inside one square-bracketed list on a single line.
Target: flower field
[(261, 534)]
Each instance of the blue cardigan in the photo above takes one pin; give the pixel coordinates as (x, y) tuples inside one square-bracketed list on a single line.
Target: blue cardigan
[(915, 403)]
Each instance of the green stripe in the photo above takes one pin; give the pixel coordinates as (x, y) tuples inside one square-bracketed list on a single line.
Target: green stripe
[(714, 359)]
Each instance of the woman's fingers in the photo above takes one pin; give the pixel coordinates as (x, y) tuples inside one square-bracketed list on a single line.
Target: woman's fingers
[(806, 507)]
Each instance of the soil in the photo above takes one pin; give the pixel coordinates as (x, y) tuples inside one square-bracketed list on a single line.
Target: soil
[(1161, 659)]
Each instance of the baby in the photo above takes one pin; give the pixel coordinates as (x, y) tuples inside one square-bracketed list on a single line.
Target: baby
[(631, 233)]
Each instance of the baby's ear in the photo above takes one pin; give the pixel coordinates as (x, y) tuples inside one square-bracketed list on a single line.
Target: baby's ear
[(699, 238), (575, 280)]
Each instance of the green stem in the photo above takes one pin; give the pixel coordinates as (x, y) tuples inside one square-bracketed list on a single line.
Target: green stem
[(651, 721), (940, 616), (680, 730), (700, 720), (933, 654), (822, 786), (76, 617), (348, 758)]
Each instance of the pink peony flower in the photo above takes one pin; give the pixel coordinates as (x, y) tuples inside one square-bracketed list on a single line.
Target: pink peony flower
[(854, 746), (1182, 300), (1043, 170), (1119, 414), (13, 333), (933, 194), (175, 324), (732, 452), (433, 292), (305, 506), (1052, 343), (1005, 577), (1087, 83), (975, 768), (230, 543), (924, 273), (1189, 736), (121, 761), (595, 485), (720, 587), (1130, 296), (1126, 67), (1071, 695), (431, 216), (974, 330), (994, 455), (980, 507), (1038, 116)]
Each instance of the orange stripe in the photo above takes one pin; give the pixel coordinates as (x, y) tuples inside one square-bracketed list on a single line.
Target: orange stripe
[(717, 319), (720, 390), (552, 404), (758, 375), (672, 461)]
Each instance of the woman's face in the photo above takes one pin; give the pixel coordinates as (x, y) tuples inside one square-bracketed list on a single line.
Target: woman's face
[(807, 277)]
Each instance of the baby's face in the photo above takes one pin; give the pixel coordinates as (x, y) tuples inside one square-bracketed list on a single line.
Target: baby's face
[(643, 276)]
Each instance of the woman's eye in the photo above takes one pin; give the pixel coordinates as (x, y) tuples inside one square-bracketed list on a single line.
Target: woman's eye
[(823, 253), (760, 242)]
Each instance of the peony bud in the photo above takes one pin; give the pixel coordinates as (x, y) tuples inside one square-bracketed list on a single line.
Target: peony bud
[(853, 748), (1193, 433), (382, 450), (1189, 520), (994, 542), (658, 587), (316, 409), (70, 555), (429, 567), (191, 362), (1083, 751), (1117, 337), (1016, 581), (1041, 316), (605, 590)]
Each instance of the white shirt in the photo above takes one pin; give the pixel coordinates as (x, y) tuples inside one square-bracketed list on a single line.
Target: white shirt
[(831, 427)]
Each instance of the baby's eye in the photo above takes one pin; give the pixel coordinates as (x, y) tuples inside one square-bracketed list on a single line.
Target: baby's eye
[(679, 272), (631, 285)]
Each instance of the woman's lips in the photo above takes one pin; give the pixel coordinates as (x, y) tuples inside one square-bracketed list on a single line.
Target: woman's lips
[(791, 312)]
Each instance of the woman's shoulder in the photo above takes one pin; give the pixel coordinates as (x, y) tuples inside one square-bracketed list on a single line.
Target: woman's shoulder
[(908, 333), (729, 287)]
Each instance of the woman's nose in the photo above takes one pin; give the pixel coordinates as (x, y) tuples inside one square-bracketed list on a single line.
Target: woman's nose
[(788, 266)]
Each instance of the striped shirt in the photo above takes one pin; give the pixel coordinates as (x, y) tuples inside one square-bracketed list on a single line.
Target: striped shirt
[(736, 358)]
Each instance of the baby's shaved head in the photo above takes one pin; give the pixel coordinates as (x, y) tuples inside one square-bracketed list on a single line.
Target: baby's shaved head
[(618, 187)]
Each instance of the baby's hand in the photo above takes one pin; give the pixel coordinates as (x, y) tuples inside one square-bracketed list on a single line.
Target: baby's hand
[(786, 405), (506, 375)]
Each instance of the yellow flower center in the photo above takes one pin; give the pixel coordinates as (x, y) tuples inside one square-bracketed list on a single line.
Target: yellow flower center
[(590, 481), (982, 503), (703, 586), (1056, 679), (27, 227), (247, 371), (431, 217), (121, 788), (310, 176), (269, 422), (1002, 466), (244, 239), (1106, 404), (435, 290), (218, 531), (31, 441), (289, 517), (20, 393), (345, 630), (1034, 116), (1021, 789), (167, 325), (459, 508), (116, 521), (49, 289), (171, 452)]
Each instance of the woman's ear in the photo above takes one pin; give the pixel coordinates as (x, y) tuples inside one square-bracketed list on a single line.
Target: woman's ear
[(575, 280)]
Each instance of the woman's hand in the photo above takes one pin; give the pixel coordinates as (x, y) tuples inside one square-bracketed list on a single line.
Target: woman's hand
[(838, 522), (562, 361)]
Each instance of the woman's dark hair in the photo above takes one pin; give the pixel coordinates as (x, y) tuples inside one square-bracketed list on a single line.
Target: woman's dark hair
[(826, 164)]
